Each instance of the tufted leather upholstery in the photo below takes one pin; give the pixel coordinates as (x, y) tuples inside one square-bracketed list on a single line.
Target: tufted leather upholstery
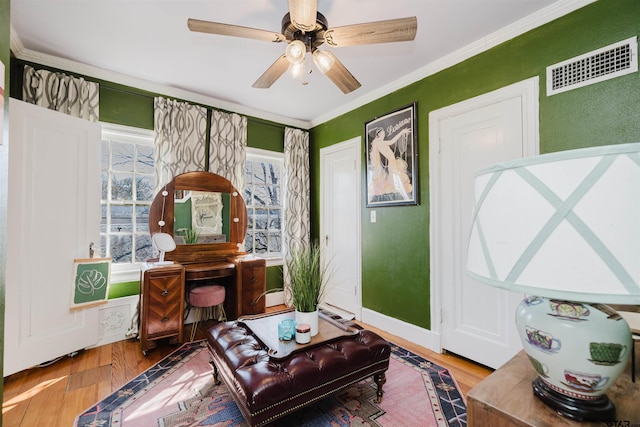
[(266, 389)]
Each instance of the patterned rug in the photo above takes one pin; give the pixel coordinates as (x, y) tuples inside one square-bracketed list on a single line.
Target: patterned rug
[(178, 391)]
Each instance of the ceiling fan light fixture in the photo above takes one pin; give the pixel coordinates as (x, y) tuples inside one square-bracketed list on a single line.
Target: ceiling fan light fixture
[(298, 70), (324, 60), (295, 52)]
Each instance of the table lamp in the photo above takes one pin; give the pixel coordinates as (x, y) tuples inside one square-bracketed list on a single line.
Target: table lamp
[(564, 229)]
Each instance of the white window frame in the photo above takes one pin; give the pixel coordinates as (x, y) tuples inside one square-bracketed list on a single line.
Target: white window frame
[(251, 153), (127, 272)]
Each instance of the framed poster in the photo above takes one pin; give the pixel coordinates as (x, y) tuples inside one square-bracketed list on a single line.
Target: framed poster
[(90, 282), (392, 158)]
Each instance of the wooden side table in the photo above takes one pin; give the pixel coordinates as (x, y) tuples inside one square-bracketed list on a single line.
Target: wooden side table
[(505, 399)]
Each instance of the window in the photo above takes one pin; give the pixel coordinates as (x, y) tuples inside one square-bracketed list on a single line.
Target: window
[(263, 197), (128, 179)]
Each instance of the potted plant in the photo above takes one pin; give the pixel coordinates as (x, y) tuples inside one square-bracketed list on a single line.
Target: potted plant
[(307, 280)]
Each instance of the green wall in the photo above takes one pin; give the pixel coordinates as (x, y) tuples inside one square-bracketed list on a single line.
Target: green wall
[(395, 250), (4, 57)]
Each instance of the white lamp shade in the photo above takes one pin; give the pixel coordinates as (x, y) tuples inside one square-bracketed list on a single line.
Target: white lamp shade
[(295, 52), (562, 225)]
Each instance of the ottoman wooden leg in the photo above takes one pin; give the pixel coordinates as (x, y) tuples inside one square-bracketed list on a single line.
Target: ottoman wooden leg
[(380, 378), (216, 381)]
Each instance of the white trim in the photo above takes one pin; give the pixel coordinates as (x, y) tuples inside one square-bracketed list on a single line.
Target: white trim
[(254, 153), (128, 133), (350, 143), (410, 332), (528, 90), (543, 16)]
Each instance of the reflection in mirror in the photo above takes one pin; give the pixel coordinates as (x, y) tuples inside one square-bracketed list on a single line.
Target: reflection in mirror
[(201, 217)]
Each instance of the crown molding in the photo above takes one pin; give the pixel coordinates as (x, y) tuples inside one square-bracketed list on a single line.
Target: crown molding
[(20, 52), (543, 16)]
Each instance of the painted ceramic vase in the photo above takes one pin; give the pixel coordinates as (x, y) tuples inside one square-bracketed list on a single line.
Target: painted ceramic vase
[(578, 349)]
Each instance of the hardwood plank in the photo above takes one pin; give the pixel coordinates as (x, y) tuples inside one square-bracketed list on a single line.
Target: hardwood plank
[(73, 384)]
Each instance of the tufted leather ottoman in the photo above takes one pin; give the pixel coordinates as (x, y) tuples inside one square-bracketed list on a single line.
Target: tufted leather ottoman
[(265, 388)]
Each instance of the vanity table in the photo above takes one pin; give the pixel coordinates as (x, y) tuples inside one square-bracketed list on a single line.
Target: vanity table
[(208, 206)]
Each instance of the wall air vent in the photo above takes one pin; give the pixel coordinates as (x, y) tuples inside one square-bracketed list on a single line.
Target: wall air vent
[(606, 63)]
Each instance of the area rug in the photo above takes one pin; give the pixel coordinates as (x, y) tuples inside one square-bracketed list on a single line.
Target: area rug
[(178, 391)]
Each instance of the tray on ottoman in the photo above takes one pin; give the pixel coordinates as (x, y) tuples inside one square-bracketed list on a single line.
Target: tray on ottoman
[(265, 328), (266, 388)]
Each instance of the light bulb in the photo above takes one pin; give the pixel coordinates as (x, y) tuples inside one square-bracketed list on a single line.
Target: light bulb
[(295, 52), (324, 60), (298, 70)]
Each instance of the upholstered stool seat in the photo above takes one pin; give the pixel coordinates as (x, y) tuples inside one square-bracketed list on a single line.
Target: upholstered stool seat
[(207, 296)]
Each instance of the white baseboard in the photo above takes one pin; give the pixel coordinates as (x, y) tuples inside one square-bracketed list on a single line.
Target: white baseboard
[(274, 298), (407, 331)]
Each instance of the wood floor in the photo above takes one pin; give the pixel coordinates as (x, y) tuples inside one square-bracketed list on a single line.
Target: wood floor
[(54, 395)]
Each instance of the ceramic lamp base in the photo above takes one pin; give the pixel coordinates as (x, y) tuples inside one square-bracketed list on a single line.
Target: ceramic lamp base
[(600, 409)]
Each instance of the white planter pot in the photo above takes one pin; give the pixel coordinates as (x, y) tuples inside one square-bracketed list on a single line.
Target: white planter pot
[(310, 318)]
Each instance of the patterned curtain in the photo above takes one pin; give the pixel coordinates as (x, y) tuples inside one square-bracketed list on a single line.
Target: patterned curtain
[(227, 147), (297, 196), (60, 92), (180, 135)]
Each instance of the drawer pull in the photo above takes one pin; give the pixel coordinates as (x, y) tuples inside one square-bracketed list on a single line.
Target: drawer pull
[(165, 292), (253, 280), (164, 319)]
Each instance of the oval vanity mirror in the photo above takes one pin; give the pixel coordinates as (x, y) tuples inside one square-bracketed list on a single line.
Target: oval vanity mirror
[(203, 213)]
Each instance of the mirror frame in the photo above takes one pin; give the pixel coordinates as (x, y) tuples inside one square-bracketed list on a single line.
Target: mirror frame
[(199, 252)]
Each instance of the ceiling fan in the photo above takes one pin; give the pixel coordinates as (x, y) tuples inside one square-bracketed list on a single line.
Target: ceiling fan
[(304, 29)]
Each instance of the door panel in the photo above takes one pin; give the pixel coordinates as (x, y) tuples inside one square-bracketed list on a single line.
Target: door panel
[(53, 216), (339, 224), (477, 320)]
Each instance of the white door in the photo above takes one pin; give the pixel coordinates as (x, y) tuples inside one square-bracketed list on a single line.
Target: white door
[(477, 320), (340, 224), (53, 216)]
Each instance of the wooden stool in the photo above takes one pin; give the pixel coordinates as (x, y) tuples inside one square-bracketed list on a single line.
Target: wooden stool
[(203, 297)]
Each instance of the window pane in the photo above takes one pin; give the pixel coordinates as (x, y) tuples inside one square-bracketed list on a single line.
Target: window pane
[(122, 156), (104, 178), (275, 242), (274, 219), (145, 161), (103, 219), (248, 242), (260, 244), (142, 218), (144, 249), (121, 186), (260, 219), (120, 248), (248, 176), (273, 173), (258, 172), (274, 195), (247, 194), (105, 155), (121, 218), (144, 187), (261, 195)]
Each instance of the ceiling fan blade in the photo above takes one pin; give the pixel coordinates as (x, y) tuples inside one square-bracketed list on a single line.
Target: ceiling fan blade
[(272, 73), (234, 31), (303, 14), (392, 30), (342, 77)]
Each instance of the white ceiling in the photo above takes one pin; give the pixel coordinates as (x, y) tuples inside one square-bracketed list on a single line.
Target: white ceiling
[(146, 43)]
